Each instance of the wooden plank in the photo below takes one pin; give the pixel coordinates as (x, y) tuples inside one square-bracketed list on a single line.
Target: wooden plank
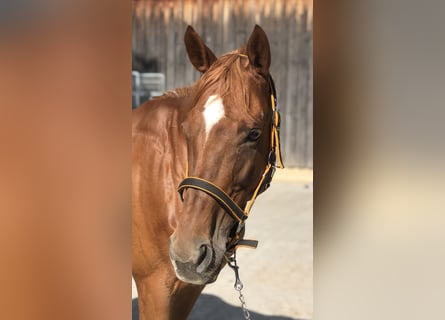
[(170, 48), (301, 91), (309, 102), (289, 116)]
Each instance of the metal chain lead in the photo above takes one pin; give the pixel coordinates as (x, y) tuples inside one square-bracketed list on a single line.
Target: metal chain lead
[(243, 305), (238, 285)]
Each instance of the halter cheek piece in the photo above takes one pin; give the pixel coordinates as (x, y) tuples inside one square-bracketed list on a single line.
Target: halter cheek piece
[(231, 207)]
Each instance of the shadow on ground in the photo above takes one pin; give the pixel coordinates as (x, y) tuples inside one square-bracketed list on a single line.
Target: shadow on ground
[(209, 307)]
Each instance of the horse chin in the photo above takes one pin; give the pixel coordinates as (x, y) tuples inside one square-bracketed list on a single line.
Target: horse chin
[(198, 279)]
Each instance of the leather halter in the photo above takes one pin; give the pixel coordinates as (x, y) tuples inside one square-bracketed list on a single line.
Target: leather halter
[(224, 200)]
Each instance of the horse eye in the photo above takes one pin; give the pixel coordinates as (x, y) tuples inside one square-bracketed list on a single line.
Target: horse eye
[(254, 135)]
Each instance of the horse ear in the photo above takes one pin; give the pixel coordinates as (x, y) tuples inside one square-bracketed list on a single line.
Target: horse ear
[(258, 50), (199, 54)]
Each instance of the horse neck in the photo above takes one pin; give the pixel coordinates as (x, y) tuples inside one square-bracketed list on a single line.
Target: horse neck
[(158, 139)]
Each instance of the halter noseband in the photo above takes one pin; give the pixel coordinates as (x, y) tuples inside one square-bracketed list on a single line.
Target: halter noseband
[(224, 200)]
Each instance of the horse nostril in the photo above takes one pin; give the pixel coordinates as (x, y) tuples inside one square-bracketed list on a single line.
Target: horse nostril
[(204, 258), (202, 254)]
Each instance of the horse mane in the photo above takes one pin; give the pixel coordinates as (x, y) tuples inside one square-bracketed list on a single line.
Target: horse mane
[(226, 75), (177, 93)]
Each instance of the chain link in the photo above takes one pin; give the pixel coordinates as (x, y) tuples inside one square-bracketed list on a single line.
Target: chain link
[(243, 304), (231, 261)]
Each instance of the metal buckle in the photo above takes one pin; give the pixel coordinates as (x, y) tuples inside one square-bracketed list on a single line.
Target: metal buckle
[(272, 158), (268, 178), (240, 227)]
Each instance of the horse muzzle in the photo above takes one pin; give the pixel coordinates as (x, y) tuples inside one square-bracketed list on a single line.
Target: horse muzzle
[(200, 264)]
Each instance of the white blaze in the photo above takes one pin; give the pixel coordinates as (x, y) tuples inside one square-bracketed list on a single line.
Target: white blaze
[(213, 112)]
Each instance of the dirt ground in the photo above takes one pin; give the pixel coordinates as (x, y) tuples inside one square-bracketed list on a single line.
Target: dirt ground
[(278, 275)]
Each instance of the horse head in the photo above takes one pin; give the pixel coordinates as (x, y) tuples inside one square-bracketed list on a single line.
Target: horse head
[(228, 132)]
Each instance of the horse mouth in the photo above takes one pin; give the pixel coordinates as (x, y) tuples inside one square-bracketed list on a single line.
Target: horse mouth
[(190, 276)]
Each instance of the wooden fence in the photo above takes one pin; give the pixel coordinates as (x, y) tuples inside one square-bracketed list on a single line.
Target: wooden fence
[(158, 46)]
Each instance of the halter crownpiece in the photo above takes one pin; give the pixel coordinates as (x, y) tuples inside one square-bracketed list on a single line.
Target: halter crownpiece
[(224, 200)]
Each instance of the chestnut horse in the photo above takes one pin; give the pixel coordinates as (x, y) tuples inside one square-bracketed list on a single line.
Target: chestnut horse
[(215, 142)]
